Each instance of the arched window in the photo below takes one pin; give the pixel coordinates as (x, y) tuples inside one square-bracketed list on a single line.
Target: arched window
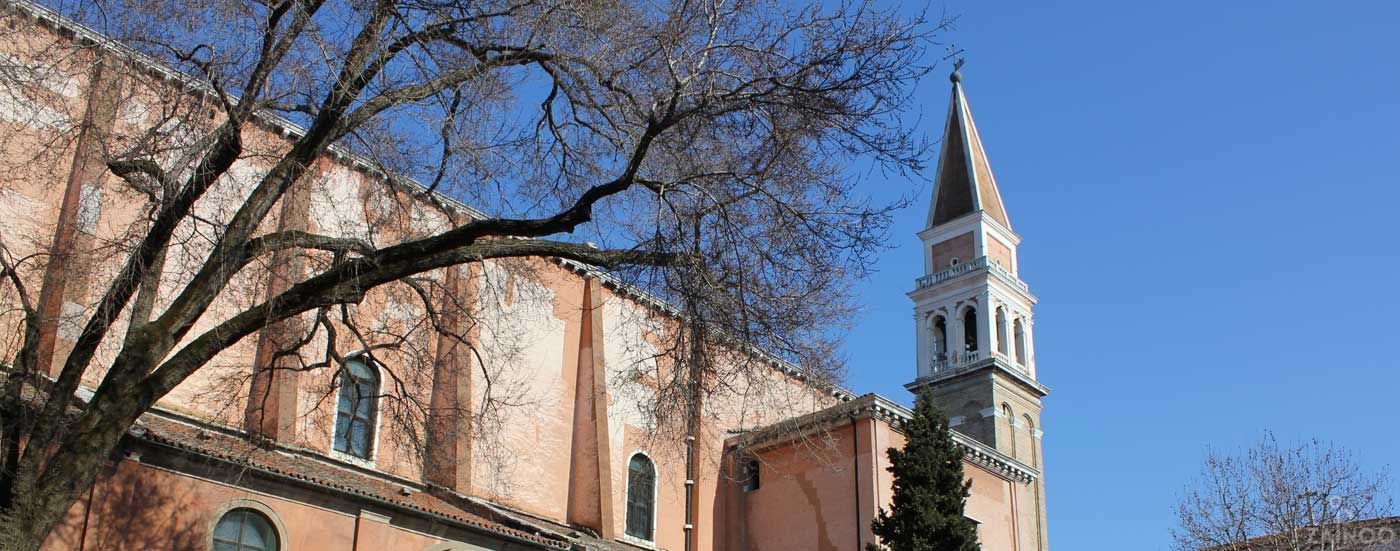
[(1020, 342), (939, 344), (1011, 427), (245, 530), (641, 496), (354, 418), (1030, 437), (1002, 345), (969, 321)]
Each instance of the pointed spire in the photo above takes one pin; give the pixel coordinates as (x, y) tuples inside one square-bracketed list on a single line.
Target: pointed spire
[(964, 182)]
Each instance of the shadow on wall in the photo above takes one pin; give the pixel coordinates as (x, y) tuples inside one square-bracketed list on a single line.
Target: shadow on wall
[(132, 513), (809, 491)]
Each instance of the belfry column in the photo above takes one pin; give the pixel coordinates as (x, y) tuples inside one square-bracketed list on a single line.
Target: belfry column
[(923, 331), (986, 323), (957, 332)]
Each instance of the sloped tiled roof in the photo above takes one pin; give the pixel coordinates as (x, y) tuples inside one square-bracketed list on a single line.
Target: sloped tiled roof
[(1377, 534), (218, 445)]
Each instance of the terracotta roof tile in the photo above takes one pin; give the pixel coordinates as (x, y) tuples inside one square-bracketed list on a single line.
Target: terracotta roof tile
[(239, 451)]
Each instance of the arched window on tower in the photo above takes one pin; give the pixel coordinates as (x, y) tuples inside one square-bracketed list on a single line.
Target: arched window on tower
[(641, 496), (1030, 439), (938, 344), (1010, 427), (1002, 345), (969, 327), (1020, 330)]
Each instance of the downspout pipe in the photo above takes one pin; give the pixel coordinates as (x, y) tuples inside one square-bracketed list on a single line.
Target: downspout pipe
[(692, 459), (855, 474)]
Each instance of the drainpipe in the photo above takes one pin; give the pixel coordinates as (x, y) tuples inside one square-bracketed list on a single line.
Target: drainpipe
[(692, 430), (689, 489), (87, 517), (855, 460)]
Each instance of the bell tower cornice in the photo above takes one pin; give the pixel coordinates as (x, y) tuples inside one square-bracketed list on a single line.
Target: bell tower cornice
[(966, 223)]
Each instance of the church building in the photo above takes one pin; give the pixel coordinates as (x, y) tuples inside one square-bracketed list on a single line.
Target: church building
[(791, 464), (976, 361)]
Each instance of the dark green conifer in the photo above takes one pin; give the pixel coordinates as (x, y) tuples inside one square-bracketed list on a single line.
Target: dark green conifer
[(929, 491)]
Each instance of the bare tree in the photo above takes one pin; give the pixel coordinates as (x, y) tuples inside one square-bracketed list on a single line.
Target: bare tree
[(696, 148), (1307, 496)]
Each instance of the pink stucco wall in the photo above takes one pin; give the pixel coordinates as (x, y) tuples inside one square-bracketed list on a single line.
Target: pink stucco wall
[(139, 507), (809, 488), (548, 457)]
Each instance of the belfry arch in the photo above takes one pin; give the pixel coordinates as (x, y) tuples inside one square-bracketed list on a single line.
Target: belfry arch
[(1020, 332), (1002, 344), (969, 329), (938, 338)]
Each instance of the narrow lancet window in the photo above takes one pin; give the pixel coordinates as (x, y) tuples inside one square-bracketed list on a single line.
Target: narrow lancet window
[(354, 418), (1010, 427), (1002, 345), (939, 343), (641, 497)]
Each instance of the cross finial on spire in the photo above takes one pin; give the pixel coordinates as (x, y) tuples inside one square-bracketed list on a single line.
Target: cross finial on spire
[(954, 50)]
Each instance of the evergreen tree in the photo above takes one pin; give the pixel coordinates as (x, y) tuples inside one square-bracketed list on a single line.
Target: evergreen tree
[(929, 490)]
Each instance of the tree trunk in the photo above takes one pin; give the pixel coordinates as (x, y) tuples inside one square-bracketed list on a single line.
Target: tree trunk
[(26, 529), (39, 506), (42, 497)]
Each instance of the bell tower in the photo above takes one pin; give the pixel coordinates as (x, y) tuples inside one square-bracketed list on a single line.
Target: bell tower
[(972, 311)]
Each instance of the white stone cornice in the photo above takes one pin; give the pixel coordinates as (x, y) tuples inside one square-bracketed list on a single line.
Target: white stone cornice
[(991, 366), (966, 223), (978, 274), (874, 406), (995, 461), (1005, 233)]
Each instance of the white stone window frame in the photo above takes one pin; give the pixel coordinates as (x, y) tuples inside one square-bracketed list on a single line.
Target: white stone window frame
[(1020, 340), (372, 461), (1002, 323), (977, 310), (977, 526), (931, 326), (655, 489)]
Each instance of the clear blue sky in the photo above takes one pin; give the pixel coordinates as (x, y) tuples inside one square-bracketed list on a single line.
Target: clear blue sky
[(1208, 194)]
